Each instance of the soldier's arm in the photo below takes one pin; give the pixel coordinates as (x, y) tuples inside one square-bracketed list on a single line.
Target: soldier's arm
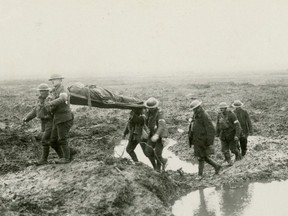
[(249, 123), (210, 130), (31, 115), (217, 127), (161, 124), (235, 121), (126, 130), (190, 134), (63, 98)]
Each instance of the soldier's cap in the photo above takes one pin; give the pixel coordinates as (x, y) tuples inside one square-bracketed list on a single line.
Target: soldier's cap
[(195, 103), (55, 76), (223, 105), (43, 87), (237, 103), (151, 103)]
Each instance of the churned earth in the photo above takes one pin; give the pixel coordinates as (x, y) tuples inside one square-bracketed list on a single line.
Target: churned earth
[(97, 183)]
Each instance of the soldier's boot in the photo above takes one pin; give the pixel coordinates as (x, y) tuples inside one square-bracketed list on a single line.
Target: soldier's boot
[(200, 169), (243, 152), (152, 160), (73, 152), (164, 163), (237, 155), (228, 159), (66, 155), (158, 166), (58, 151), (44, 156), (213, 163), (133, 156)]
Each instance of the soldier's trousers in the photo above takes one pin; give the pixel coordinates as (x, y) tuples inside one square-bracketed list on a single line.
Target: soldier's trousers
[(59, 137), (132, 144), (46, 128), (154, 152), (243, 145), (208, 160), (227, 146)]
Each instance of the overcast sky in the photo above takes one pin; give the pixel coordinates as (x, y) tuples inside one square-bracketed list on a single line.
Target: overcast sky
[(123, 37)]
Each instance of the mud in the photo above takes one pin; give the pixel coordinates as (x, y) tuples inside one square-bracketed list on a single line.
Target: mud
[(110, 187), (96, 183), (265, 161)]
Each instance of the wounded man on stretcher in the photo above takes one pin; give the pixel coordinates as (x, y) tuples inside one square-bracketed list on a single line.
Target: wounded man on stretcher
[(95, 96)]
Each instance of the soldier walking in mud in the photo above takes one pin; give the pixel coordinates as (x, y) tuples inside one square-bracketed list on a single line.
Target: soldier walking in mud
[(46, 119), (134, 127), (157, 130), (201, 136), (228, 130), (245, 123), (62, 120)]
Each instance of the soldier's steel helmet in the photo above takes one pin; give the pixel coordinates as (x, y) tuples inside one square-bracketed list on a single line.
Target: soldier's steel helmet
[(56, 76), (223, 105), (237, 103), (43, 87), (151, 103), (195, 103)]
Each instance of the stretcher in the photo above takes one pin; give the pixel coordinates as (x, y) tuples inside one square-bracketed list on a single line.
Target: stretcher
[(94, 96)]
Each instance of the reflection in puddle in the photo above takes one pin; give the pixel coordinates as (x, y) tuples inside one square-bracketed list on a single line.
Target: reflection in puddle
[(174, 163), (249, 200)]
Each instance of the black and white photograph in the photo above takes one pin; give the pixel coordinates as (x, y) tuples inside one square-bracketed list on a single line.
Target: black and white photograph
[(143, 107)]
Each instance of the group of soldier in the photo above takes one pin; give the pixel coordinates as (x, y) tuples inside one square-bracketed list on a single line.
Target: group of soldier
[(53, 110), (146, 126), (232, 128)]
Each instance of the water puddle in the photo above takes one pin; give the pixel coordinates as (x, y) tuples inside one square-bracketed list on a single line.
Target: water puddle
[(253, 199), (174, 163)]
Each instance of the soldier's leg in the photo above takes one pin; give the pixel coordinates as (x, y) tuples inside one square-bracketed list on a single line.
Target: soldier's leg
[(54, 141), (201, 161), (226, 151), (234, 149), (243, 144), (158, 151), (130, 149), (149, 152), (46, 129), (62, 132), (213, 163)]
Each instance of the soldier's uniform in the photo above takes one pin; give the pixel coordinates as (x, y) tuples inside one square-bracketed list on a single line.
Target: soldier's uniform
[(62, 121), (227, 128), (246, 128), (157, 126), (46, 119), (134, 127), (202, 135)]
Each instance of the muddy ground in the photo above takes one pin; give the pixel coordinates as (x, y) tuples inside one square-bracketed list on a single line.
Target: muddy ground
[(96, 183)]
